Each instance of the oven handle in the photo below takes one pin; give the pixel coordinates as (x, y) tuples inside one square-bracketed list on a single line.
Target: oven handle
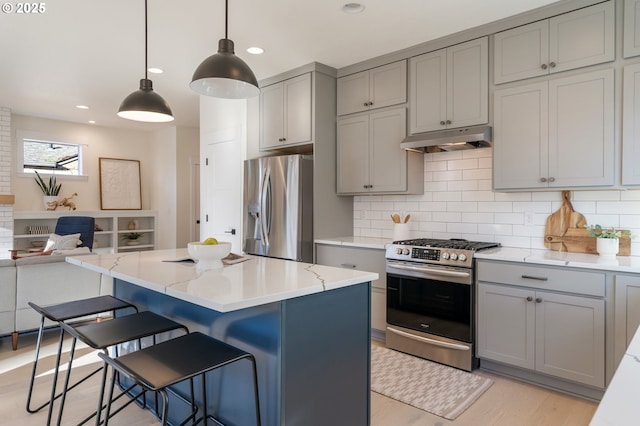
[(430, 341), (430, 271)]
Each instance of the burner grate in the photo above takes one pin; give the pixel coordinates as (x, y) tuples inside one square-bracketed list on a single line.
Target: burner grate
[(453, 243)]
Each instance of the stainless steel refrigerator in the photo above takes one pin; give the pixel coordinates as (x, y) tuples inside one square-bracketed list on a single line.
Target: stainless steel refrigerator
[(278, 207)]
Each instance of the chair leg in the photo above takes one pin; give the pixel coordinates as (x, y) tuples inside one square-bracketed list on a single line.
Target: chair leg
[(103, 383), (255, 389), (65, 387), (54, 385), (35, 366), (14, 340), (107, 412), (165, 406)]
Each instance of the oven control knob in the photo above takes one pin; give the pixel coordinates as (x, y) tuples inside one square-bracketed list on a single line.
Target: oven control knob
[(405, 251), (454, 256), (398, 250), (445, 255), (462, 257)]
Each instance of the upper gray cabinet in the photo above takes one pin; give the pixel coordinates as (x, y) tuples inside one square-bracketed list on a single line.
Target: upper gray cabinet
[(285, 113), (631, 43), (568, 41), (631, 126), (375, 88), (449, 88)]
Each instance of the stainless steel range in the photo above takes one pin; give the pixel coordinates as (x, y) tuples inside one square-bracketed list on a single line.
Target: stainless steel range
[(430, 299)]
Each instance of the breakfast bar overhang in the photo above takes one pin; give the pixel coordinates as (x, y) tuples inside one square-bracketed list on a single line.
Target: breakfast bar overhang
[(307, 325)]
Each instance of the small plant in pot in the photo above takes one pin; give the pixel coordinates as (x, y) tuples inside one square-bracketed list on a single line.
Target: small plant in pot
[(607, 239), (50, 191), (132, 238)]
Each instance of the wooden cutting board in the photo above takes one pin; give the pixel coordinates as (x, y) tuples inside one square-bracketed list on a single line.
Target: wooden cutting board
[(578, 241), (561, 220)]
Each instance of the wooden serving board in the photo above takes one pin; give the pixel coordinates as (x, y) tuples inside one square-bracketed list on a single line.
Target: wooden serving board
[(561, 220), (577, 240)]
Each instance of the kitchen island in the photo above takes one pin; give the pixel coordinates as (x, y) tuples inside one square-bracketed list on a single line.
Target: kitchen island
[(307, 325)]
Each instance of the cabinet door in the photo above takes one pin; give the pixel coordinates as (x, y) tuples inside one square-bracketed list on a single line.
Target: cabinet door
[(631, 126), (521, 52), (581, 130), (353, 154), (570, 337), (353, 93), (506, 321), (428, 92), (521, 131), (468, 83), (388, 85), (583, 37), (271, 115), (388, 163), (297, 102), (631, 42), (627, 312)]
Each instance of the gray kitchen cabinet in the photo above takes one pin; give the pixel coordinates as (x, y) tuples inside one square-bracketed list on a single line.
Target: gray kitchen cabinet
[(627, 312), (370, 160), (631, 127), (449, 88), (631, 32), (361, 259), (572, 40), (285, 113), (547, 320), (371, 89), (555, 134)]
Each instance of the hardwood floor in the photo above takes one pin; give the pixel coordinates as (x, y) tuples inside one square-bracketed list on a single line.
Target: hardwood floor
[(506, 403)]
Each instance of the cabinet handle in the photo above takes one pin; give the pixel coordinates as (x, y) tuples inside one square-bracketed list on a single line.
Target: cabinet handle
[(366, 104), (348, 265), (529, 298), (543, 179), (552, 64), (442, 123), (531, 277), (448, 121), (370, 103), (538, 299), (543, 66), (552, 179)]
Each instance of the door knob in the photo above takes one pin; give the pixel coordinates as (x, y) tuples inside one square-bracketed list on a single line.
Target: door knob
[(232, 231)]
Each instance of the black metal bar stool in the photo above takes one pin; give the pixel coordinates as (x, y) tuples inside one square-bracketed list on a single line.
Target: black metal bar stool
[(157, 367), (106, 334), (69, 311)]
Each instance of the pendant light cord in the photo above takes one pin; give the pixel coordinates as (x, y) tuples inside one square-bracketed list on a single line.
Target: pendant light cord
[(226, 18), (146, 67)]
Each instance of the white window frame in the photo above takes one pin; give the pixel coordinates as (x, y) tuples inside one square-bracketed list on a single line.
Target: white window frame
[(22, 135)]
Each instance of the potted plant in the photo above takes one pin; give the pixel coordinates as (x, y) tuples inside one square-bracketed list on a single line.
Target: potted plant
[(132, 238), (607, 239), (50, 191)]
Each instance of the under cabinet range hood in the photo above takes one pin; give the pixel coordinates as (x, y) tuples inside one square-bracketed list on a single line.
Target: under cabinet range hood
[(449, 140)]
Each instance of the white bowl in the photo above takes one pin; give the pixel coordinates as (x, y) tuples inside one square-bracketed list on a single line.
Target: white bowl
[(209, 256)]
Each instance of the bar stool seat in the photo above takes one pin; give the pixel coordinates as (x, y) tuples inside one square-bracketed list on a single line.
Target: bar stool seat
[(105, 334), (68, 311), (157, 367)]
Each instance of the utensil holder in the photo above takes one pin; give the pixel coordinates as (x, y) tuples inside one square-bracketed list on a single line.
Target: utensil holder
[(400, 231)]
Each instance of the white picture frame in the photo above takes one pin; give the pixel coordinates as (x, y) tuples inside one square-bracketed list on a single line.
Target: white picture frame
[(120, 185)]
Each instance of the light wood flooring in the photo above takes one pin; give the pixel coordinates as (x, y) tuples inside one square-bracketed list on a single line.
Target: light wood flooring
[(507, 402)]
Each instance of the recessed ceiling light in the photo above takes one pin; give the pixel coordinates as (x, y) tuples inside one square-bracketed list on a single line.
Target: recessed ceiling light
[(255, 50), (154, 70), (82, 107), (353, 8), (92, 122)]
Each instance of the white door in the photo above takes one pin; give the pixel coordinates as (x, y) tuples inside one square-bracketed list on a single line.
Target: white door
[(221, 173)]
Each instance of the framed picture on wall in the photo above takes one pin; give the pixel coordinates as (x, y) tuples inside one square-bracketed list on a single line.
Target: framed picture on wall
[(119, 184)]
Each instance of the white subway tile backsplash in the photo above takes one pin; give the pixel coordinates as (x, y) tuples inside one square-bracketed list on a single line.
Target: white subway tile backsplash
[(448, 175), (478, 218), (471, 163)]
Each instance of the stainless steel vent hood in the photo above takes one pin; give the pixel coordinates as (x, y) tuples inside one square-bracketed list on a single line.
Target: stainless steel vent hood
[(449, 140)]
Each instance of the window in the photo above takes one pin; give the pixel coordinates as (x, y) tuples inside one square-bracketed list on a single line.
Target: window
[(48, 156)]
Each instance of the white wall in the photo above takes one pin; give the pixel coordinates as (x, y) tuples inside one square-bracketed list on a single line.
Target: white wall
[(458, 202)]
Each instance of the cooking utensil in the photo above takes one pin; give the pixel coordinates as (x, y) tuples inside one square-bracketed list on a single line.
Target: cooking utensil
[(561, 220), (406, 218), (395, 217)]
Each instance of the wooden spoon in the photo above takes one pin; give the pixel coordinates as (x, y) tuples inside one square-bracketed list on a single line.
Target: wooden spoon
[(395, 217), (406, 218)]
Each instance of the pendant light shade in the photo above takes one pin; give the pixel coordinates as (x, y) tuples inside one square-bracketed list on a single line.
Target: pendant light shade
[(224, 75), (144, 104)]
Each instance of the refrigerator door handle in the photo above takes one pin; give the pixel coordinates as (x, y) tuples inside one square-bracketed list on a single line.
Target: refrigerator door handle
[(266, 178)]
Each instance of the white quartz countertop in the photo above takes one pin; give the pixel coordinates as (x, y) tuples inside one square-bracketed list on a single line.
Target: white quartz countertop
[(254, 282), (629, 264), (619, 405), (364, 242)]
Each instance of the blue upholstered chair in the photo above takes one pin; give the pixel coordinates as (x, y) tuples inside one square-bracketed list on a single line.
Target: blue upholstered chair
[(84, 225)]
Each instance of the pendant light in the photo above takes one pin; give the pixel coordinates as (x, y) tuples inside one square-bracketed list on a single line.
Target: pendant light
[(145, 104), (224, 75)]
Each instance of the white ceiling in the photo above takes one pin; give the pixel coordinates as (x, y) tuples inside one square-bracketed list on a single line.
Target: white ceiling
[(91, 52)]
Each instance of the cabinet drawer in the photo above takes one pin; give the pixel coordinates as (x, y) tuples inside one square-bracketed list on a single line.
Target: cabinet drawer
[(358, 258), (539, 277)]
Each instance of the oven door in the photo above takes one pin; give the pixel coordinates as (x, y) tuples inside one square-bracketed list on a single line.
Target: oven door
[(437, 301)]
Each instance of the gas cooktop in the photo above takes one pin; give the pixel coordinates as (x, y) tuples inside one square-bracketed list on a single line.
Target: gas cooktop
[(453, 252)]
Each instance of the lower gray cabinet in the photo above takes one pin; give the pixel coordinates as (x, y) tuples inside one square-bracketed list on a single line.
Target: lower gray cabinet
[(627, 312), (361, 259), (558, 334)]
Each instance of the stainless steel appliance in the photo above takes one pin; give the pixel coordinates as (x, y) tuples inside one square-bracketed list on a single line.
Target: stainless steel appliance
[(278, 207), (430, 299)]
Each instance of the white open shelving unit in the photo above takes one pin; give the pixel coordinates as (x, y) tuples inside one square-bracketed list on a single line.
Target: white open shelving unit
[(113, 224)]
